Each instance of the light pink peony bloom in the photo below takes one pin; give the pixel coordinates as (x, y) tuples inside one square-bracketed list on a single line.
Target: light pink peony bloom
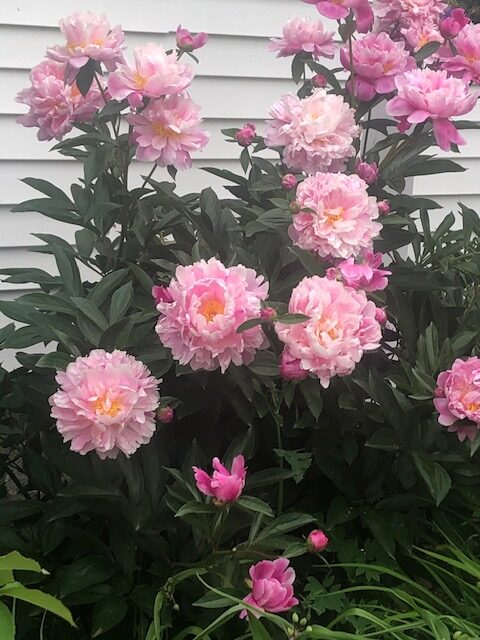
[(168, 131), (209, 302), (337, 218), (340, 9), (154, 74), (89, 35), (54, 106), (453, 22), (425, 94), (317, 132), (317, 540), (246, 135), (367, 171), (393, 15), (303, 34), (377, 60), (421, 33), (272, 587), (106, 403), (341, 327), (458, 398), (290, 367), (188, 41), (466, 63), (223, 485), (367, 274)]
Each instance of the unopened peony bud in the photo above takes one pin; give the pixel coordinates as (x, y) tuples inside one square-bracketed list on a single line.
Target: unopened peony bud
[(295, 618), (317, 540), (246, 135), (161, 294), (268, 314), (187, 41), (319, 81), (367, 171), (290, 368), (453, 22), (380, 315), (384, 207), (303, 622), (439, 393), (295, 207), (333, 273), (165, 414), (289, 182)]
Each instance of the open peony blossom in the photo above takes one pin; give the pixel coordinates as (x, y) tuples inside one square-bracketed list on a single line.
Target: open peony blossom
[(317, 132), (421, 33), (340, 328), (89, 35), (223, 485), (187, 41), (458, 398), (303, 34), (337, 216), (377, 60), (168, 131), (53, 105), (106, 403), (272, 587), (394, 15), (465, 63), (366, 274), (154, 74), (425, 94), (340, 9), (317, 540), (209, 303)]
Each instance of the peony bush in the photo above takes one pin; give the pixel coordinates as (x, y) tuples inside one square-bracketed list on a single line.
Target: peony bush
[(257, 408)]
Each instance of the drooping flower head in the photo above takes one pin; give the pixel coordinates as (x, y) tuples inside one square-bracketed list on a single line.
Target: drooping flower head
[(106, 403), (453, 21), (54, 106), (154, 74), (377, 60), (187, 41), (341, 327), (458, 398), (340, 9), (272, 587), (317, 132), (89, 35), (209, 302), (223, 485), (366, 274), (426, 94), (168, 131), (303, 34), (465, 63), (337, 216)]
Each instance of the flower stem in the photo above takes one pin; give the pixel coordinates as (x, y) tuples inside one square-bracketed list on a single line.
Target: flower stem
[(280, 464)]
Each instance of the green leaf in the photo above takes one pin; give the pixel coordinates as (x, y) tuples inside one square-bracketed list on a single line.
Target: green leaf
[(298, 66), (37, 598), (299, 461), (250, 503), (284, 524), (293, 318), (121, 301), (101, 291), (265, 364), (107, 614), (196, 508), (385, 438), (85, 77), (83, 573), (436, 478), (85, 241), (267, 477), (249, 324), (313, 266), (50, 190), (7, 625), (90, 311), (257, 629), (311, 391), (426, 51), (57, 361), (97, 162), (67, 267), (14, 561)]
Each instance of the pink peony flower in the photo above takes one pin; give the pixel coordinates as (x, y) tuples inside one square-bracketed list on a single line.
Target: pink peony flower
[(165, 415), (340, 9), (54, 106), (465, 63), (246, 135), (317, 540), (426, 94), (106, 403), (337, 218), (383, 207), (317, 132), (168, 131), (187, 41), (367, 171), (393, 15), (161, 294), (381, 316), (341, 327), (154, 74), (289, 182), (223, 485), (89, 36), (453, 22), (319, 81), (377, 60), (367, 275), (458, 398), (290, 367), (209, 303), (303, 34), (272, 587), (421, 33)]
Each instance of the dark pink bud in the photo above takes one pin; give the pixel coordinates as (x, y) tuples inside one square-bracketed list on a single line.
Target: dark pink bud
[(289, 182), (161, 294), (187, 41), (381, 316), (319, 81), (367, 171), (439, 393), (453, 23), (268, 314), (384, 207), (317, 540), (165, 414), (332, 273), (290, 367), (246, 135)]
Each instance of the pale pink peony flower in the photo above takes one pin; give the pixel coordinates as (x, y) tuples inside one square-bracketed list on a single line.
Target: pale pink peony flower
[(317, 540), (317, 132), (341, 327), (272, 587), (377, 60), (303, 34), (465, 63), (223, 485), (209, 302), (187, 41), (106, 403), (154, 74), (458, 398), (246, 135), (340, 9), (367, 171), (290, 367), (337, 218), (421, 33), (453, 22), (425, 94), (367, 274), (89, 35), (54, 106), (289, 182), (393, 15), (168, 131)]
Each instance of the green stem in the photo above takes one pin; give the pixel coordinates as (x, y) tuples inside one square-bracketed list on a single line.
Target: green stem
[(365, 140), (102, 90), (280, 464), (149, 176)]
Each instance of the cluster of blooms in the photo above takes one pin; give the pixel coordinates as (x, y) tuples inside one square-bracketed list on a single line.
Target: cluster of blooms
[(366, 274), (415, 20), (340, 9), (303, 34)]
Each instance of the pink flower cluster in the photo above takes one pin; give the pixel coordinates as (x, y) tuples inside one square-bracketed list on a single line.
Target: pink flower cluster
[(458, 398), (427, 94), (340, 9), (272, 587), (415, 20), (317, 132), (340, 328), (337, 216), (303, 34), (465, 63), (366, 274), (224, 485), (202, 309), (106, 403), (55, 106), (453, 21)]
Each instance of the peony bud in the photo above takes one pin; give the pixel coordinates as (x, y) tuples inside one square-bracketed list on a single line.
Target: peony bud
[(295, 207), (333, 273), (383, 207), (187, 41), (319, 81), (381, 316), (289, 182), (165, 414), (246, 135), (268, 314), (453, 22), (367, 171), (290, 368), (161, 294), (317, 540), (439, 393)]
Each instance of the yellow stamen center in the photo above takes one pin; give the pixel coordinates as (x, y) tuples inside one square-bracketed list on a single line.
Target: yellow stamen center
[(473, 406), (471, 59), (334, 215), (211, 308), (104, 406), (139, 80), (388, 66), (165, 131)]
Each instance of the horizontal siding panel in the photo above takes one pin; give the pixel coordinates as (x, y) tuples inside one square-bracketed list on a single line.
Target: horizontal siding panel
[(16, 229)]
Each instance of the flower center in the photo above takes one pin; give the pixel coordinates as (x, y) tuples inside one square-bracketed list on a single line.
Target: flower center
[(471, 59), (139, 80), (473, 406), (105, 406), (165, 131), (322, 327), (388, 66), (334, 215), (211, 308)]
